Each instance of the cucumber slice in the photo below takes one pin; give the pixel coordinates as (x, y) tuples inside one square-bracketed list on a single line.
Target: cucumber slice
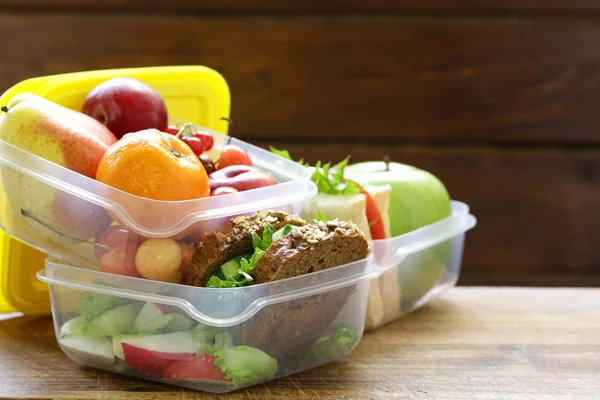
[(149, 313), (282, 232), (155, 325), (116, 321), (178, 323), (230, 268)]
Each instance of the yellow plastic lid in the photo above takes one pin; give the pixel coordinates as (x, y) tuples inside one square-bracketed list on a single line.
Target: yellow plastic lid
[(192, 93)]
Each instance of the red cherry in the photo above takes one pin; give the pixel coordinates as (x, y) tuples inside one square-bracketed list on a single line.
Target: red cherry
[(195, 144), (233, 155), (207, 139), (223, 190), (172, 129), (207, 163)]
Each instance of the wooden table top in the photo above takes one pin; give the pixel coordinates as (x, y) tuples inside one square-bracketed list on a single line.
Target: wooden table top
[(472, 343)]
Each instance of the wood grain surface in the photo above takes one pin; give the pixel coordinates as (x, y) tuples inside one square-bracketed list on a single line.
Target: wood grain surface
[(437, 7), (391, 80), (479, 343)]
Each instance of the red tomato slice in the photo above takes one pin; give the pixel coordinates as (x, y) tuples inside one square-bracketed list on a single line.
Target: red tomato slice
[(199, 368), (373, 216)]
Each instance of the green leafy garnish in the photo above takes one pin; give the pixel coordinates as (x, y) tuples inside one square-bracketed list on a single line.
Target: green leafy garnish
[(285, 154), (326, 181), (218, 283), (336, 345), (320, 217), (266, 240), (242, 276)]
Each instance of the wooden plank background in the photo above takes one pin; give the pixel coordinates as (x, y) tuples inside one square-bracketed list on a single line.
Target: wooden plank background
[(498, 98)]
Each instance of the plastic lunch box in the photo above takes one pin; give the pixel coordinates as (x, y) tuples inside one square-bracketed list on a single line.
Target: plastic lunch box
[(330, 308), (417, 267)]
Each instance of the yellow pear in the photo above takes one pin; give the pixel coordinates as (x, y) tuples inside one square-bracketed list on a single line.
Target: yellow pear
[(64, 137)]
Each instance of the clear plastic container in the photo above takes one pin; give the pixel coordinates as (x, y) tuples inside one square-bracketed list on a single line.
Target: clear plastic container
[(191, 92), (61, 212), (417, 266), (213, 340)]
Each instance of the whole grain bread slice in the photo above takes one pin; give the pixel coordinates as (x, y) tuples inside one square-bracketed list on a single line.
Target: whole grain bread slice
[(217, 248), (286, 329), (311, 248)]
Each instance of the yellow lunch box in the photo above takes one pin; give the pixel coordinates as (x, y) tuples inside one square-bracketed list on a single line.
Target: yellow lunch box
[(192, 93)]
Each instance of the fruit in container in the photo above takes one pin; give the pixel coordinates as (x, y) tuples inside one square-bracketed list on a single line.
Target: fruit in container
[(187, 252), (233, 155), (207, 163), (125, 104), (240, 178), (415, 192), (64, 137), (113, 236), (154, 165), (120, 260), (198, 139), (222, 190), (116, 249), (159, 259), (418, 198)]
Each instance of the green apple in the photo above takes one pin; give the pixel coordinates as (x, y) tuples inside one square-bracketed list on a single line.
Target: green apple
[(64, 137), (418, 198)]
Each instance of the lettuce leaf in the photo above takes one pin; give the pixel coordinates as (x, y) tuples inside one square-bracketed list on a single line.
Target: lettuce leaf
[(336, 345), (326, 181), (247, 263), (245, 365)]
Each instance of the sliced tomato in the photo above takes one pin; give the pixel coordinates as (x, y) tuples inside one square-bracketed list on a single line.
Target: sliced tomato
[(199, 368), (373, 216)]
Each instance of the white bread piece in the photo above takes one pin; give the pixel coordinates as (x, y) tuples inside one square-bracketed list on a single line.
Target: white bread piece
[(375, 307), (381, 196), (345, 207), (388, 282), (390, 295)]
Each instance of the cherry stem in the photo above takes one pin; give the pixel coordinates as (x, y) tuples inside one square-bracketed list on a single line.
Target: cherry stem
[(229, 120), (4, 109), (27, 214), (386, 160), (188, 128)]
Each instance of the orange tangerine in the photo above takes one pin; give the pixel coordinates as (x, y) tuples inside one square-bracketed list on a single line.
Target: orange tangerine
[(155, 165)]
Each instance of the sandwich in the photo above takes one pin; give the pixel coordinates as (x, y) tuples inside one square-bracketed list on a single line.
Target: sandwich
[(367, 206), (272, 246)]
